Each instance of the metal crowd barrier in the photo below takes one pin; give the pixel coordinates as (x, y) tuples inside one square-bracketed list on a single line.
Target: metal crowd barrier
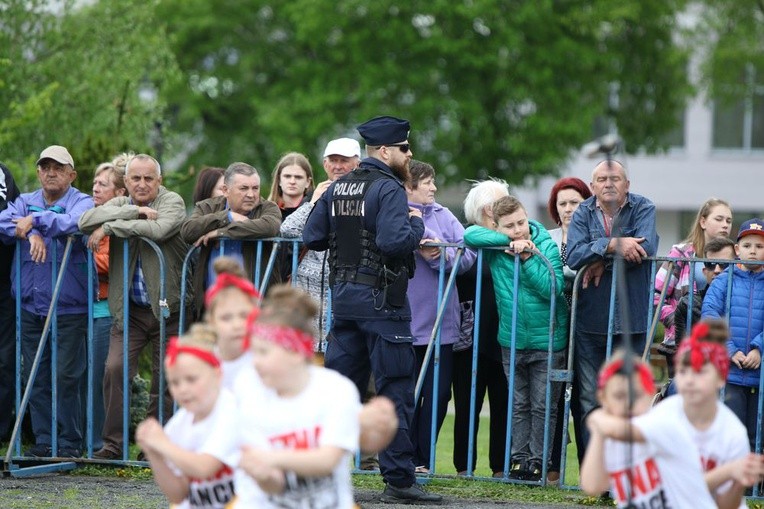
[(552, 376), (446, 287)]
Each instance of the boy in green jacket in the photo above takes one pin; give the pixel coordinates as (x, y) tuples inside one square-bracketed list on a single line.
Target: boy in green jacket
[(522, 238)]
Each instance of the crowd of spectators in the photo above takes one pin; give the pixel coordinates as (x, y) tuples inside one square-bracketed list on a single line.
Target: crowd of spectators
[(604, 230)]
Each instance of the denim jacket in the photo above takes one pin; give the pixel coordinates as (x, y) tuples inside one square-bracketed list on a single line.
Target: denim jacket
[(587, 243)]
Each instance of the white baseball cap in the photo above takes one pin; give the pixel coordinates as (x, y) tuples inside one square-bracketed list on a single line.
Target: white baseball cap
[(347, 147)]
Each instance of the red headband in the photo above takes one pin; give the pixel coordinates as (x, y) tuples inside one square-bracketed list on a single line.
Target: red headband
[(251, 319), (704, 351), (645, 376), (226, 280), (174, 348), (288, 337)]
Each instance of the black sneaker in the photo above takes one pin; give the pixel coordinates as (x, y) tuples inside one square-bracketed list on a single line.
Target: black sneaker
[(534, 471), (518, 470), (40, 451), (414, 493), (68, 452)]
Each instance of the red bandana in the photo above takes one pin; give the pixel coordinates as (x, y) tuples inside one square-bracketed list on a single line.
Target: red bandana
[(288, 337), (174, 348), (251, 319), (645, 376), (226, 280), (704, 351)]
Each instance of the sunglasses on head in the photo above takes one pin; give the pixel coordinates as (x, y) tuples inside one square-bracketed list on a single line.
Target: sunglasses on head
[(404, 147), (712, 265)]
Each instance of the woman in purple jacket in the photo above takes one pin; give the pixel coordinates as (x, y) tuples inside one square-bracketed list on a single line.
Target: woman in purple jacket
[(441, 226)]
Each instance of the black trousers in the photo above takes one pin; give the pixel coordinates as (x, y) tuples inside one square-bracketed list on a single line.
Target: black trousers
[(490, 378)]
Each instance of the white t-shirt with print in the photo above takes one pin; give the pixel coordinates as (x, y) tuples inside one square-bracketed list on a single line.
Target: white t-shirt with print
[(666, 426), (325, 413), (625, 461), (216, 435)]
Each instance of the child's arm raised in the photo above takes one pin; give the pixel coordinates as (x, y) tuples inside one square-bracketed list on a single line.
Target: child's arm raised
[(745, 471), (197, 465), (317, 462), (594, 477), (271, 480), (479, 236), (174, 487), (610, 426)]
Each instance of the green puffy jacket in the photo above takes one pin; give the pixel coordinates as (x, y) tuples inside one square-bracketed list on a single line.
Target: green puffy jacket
[(533, 318)]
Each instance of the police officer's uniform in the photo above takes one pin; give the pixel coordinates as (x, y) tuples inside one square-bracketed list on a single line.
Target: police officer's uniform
[(363, 218)]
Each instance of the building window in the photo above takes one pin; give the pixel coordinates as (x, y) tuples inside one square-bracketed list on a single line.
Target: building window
[(739, 123), (674, 139)]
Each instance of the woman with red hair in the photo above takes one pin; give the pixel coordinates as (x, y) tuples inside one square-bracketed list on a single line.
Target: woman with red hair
[(565, 197)]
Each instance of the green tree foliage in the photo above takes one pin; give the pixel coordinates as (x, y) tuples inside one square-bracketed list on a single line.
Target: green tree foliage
[(72, 73), (731, 36), (492, 87)]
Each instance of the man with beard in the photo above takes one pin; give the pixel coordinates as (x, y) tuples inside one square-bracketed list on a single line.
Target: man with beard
[(364, 221)]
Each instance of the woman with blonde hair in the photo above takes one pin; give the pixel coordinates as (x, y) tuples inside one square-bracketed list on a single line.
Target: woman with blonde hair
[(714, 219)]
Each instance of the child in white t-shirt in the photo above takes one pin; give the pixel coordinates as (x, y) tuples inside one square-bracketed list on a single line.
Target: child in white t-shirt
[(310, 425), (193, 457), (693, 434), (628, 469), (228, 303)]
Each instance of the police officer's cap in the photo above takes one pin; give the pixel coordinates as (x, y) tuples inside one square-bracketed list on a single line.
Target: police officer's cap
[(384, 130)]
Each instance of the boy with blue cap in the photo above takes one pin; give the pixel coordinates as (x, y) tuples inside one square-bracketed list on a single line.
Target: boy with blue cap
[(745, 315)]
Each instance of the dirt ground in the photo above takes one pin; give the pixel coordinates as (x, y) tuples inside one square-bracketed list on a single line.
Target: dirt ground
[(78, 492)]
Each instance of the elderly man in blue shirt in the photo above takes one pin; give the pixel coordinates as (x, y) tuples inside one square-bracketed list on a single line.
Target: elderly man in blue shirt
[(613, 221), (40, 220)]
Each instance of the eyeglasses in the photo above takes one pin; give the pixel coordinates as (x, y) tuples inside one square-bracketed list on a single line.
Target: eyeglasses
[(712, 265), (404, 147)]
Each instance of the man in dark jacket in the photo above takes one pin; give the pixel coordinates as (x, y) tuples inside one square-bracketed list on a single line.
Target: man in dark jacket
[(364, 220), (237, 215), (8, 193)]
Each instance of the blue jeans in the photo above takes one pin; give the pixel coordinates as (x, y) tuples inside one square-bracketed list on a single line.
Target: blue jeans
[(101, 333), (529, 402), (744, 402), (588, 357), (70, 365)]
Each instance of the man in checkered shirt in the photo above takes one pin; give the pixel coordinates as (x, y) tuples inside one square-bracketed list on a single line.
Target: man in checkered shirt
[(153, 212)]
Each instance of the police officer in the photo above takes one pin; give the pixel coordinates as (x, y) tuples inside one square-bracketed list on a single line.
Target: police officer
[(364, 221)]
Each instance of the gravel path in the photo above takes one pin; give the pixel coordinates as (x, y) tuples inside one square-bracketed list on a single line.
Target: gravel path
[(79, 492)]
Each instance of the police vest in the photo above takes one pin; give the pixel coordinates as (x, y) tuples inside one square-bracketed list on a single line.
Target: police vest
[(351, 245)]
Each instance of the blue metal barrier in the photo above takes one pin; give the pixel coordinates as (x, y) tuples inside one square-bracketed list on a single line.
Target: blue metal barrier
[(50, 324), (192, 256), (446, 287)]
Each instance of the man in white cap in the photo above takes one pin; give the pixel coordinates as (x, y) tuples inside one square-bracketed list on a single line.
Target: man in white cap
[(341, 156), (41, 220)]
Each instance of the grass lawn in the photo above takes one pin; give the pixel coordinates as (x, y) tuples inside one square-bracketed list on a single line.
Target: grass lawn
[(445, 448)]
